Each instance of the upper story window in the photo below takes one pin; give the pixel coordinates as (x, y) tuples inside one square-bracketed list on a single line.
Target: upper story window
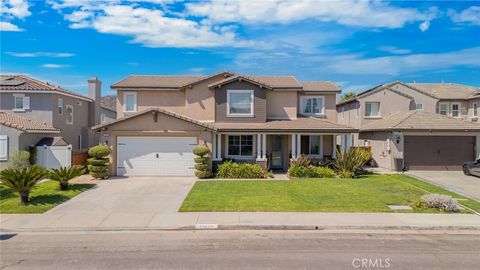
[(130, 102), (21, 102), (455, 109), (419, 106), (475, 109), (313, 105), (60, 105), (357, 109), (240, 146), (443, 108), (69, 114), (372, 109), (240, 103)]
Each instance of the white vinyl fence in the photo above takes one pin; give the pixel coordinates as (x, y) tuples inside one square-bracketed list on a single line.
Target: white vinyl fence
[(54, 157)]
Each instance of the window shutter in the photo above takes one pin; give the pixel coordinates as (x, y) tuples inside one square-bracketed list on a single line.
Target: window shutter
[(26, 103), (3, 147)]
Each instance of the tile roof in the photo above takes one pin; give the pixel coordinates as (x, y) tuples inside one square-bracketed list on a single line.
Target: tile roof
[(320, 86), (25, 124), (445, 90), (109, 103), (24, 83), (156, 81), (287, 125), (420, 121)]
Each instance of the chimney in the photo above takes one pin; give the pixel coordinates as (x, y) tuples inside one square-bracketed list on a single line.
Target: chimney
[(95, 93)]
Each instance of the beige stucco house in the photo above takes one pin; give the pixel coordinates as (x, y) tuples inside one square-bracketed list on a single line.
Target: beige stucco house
[(417, 126), (262, 119)]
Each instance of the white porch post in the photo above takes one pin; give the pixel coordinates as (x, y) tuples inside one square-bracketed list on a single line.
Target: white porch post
[(299, 147), (321, 146), (259, 146), (294, 146), (264, 146), (334, 146), (219, 146), (478, 146), (215, 145)]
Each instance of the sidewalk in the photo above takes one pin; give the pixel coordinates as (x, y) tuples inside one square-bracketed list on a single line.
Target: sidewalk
[(240, 220)]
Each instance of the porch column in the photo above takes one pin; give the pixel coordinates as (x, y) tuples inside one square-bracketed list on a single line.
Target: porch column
[(321, 146), (219, 146), (294, 146), (259, 146), (215, 145), (299, 147), (264, 146), (478, 147), (334, 146)]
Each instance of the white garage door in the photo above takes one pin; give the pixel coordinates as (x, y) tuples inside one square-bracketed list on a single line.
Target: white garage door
[(155, 156)]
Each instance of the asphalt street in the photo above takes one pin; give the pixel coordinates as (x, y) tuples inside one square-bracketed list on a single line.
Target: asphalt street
[(241, 250)]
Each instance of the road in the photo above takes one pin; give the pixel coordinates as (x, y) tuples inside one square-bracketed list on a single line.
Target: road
[(240, 250)]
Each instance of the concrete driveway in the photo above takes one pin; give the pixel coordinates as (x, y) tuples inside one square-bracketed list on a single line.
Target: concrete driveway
[(456, 181)]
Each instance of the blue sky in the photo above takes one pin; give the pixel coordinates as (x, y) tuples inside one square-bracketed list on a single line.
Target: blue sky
[(357, 44)]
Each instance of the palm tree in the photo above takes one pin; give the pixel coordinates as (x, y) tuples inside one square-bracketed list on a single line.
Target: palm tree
[(22, 180), (348, 95), (65, 174)]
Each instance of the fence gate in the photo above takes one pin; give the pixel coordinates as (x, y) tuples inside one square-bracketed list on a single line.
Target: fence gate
[(54, 157)]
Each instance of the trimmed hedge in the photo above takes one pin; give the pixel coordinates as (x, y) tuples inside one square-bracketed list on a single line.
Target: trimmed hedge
[(202, 166), (231, 169), (310, 172), (98, 163)]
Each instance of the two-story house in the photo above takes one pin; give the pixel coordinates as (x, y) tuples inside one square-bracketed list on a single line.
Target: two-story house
[(262, 119), (417, 126), (31, 110)]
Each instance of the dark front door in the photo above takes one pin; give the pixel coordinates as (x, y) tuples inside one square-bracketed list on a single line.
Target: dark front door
[(276, 152)]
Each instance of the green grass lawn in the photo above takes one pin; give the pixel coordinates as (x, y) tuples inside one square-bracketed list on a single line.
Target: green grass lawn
[(370, 193), (44, 196)]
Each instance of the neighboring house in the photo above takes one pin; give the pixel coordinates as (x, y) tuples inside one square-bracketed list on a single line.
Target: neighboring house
[(28, 105), (108, 110), (421, 126), (262, 119)]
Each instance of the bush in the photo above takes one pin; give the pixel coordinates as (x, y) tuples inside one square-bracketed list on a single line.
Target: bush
[(443, 202), (33, 155), (349, 164), (98, 163), (65, 174), (202, 166), (19, 160), (310, 172), (235, 170), (325, 172), (22, 180), (301, 161)]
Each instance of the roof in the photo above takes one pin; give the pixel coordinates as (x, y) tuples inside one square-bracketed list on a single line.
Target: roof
[(417, 120), (25, 124), (109, 103), (179, 81), (292, 125), (156, 110), (240, 77), (55, 141), (445, 90), (17, 82)]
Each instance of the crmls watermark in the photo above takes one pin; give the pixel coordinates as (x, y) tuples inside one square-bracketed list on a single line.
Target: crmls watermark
[(371, 263)]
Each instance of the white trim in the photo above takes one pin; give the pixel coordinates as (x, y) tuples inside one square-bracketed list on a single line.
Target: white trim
[(334, 146), (379, 115), (475, 111), (4, 147), (236, 91), (459, 109), (66, 116), (45, 92), (125, 94), (240, 157), (302, 109), (264, 146), (15, 96)]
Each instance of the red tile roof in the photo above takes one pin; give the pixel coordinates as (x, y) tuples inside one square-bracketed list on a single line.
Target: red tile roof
[(25, 124)]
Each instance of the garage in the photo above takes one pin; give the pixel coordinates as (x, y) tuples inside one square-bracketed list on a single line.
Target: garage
[(438, 152), (155, 156)]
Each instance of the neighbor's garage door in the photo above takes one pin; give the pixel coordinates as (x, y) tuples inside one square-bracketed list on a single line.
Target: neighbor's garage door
[(155, 156), (438, 152)]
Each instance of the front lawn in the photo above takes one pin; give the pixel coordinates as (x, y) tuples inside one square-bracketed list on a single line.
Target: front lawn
[(43, 196), (370, 193)]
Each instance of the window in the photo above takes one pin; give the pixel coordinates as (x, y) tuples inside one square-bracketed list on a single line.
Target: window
[(475, 109), (372, 109), (21, 102), (240, 145), (240, 102), (455, 110), (443, 108), (419, 106), (313, 105), (60, 105), (69, 114), (311, 145), (3, 147), (357, 109), (130, 102)]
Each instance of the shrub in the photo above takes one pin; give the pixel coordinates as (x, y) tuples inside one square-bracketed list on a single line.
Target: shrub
[(98, 163), (324, 172), (443, 202), (33, 155), (235, 170), (349, 163), (65, 174), (310, 172), (302, 161), (22, 180), (202, 166), (19, 160)]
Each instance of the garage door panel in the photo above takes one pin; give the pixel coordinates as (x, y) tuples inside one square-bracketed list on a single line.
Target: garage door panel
[(438, 152), (155, 156)]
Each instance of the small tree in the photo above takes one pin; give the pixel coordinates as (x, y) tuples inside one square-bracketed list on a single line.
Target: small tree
[(22, 180), (98, 163), (65, 174), (348, 95), (202, 168)]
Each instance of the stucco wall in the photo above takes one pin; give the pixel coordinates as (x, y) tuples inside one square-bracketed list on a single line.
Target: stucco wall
[(378, 142), (40, 106), (200, 100), (108, 115), (168, 100), (281, 104), (470, 107)]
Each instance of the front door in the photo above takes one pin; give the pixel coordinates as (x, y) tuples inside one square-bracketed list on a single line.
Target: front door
[(276, 152)]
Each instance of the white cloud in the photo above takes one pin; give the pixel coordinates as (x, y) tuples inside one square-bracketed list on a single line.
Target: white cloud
[(396, 65), (40, 54), (55, 65), (10, 10), (9, 27), (375, 14), (424, 26), (470, 15), (393, 50)]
